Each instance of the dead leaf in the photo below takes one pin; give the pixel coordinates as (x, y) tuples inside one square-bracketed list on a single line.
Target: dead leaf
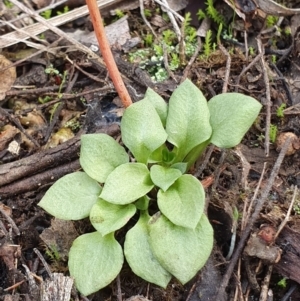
[(7, 76), (9, 253), (275, 9), (6, 209), (6, 135), (63, 135), (33, 119), (59, 236)]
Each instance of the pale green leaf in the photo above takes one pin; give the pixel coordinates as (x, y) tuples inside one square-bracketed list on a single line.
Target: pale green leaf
[(159, 104), (205, 238), (94, 261), (195, 153), (231, 116), (182, 166), (127, 183), (140, 257), (107, 217), (142, 130), (164, 177), (100, 154), (180, 250), (157, 155), (71, 197), (183, 202), (188, 119), (142, 203)]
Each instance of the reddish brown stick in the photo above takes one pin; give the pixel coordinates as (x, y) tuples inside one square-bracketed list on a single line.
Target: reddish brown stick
[(106, 53)]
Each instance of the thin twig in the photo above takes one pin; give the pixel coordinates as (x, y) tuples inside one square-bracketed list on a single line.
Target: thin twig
[(259, 205), (205, 161), (245, 220), (59, 108), (192, 290), (107, 54), (181, 45), (56, 30), (167, 8), (24, 32), (192, 60), (285, 84), (119, 291), (172, 19), (253, 62), (48, 49), (91, 76), (219, 169), (268, 97), (14, 286), (245, 165), (46, 91), (239, 290), (287, 216), (228, 65), (286, 297), (12, 38), (274, 28), (2, 227), (40, 256), (11, 221), (144, 17), (51, 6), (246, 44), (265, 287)]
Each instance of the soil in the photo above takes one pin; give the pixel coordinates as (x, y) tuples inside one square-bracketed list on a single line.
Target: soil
[(58, 93)]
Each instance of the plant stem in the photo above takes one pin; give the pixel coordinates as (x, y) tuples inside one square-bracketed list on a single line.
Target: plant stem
[(107, 54)]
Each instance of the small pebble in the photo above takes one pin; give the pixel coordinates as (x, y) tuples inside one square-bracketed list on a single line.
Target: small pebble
[(294, 144)]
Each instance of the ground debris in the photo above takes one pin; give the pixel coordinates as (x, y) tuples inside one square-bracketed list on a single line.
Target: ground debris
[(59, 237), (7, 76), (289, 265)]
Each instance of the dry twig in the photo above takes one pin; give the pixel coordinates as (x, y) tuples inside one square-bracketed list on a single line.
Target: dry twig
[(10, 221), (228, 65), (268, 97), (50, 6), (250, 207), (287, 216), (191, 61), (205, 161), (265, 292), (171, 14), (35, 29), (167, 8), (253, 62), (119, 291), (46, 266), (107, 54), (144, 17)]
